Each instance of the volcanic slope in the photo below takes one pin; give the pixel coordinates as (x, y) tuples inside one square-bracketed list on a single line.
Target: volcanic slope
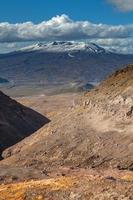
[(17, 121), (95, 133)]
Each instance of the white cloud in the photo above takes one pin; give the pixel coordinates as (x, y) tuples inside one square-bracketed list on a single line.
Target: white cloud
[(124, 5), (61, 28), (6, 47), (14, 36), (118, 45)]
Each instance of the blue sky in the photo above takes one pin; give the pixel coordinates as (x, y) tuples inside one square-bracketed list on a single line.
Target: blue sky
[(108, 23), (98, 11)]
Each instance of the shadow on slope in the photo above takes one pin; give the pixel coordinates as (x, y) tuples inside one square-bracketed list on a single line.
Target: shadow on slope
[(95, 133), (17, 122)]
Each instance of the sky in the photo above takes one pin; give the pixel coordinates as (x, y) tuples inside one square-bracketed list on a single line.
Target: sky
[(108, 23)]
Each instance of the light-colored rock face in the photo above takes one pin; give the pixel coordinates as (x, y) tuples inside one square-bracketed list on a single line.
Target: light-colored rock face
[(129, 101), (114, 96)]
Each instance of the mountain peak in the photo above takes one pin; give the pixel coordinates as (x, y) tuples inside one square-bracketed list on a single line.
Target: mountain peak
[(65, 46)]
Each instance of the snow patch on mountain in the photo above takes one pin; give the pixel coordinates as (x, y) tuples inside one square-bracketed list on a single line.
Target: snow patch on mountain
[(65, 47)]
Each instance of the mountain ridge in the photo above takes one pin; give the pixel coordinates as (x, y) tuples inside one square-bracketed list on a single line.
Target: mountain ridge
[(67, 68), (65, 46)]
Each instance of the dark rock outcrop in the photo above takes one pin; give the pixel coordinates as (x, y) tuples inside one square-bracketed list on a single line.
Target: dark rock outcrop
[(17, 121)]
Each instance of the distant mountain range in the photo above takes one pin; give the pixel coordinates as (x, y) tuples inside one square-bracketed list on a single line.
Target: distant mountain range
[(68, 47), (60, 63)]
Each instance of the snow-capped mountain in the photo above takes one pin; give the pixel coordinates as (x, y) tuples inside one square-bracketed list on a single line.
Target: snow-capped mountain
[(57, 64), (63, 46)]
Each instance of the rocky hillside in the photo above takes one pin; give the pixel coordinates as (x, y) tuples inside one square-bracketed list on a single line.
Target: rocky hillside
[(17, 121), (79, 184), (115, 95), (95, 133)]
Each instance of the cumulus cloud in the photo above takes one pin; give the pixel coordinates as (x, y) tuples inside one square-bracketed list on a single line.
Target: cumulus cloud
[(6, 47), (116, 45), (61, 28), (124, 5), (14, 36)]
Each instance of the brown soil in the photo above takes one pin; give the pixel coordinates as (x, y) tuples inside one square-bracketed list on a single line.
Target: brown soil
[(97, 132), (85, 152), (82, 185)]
